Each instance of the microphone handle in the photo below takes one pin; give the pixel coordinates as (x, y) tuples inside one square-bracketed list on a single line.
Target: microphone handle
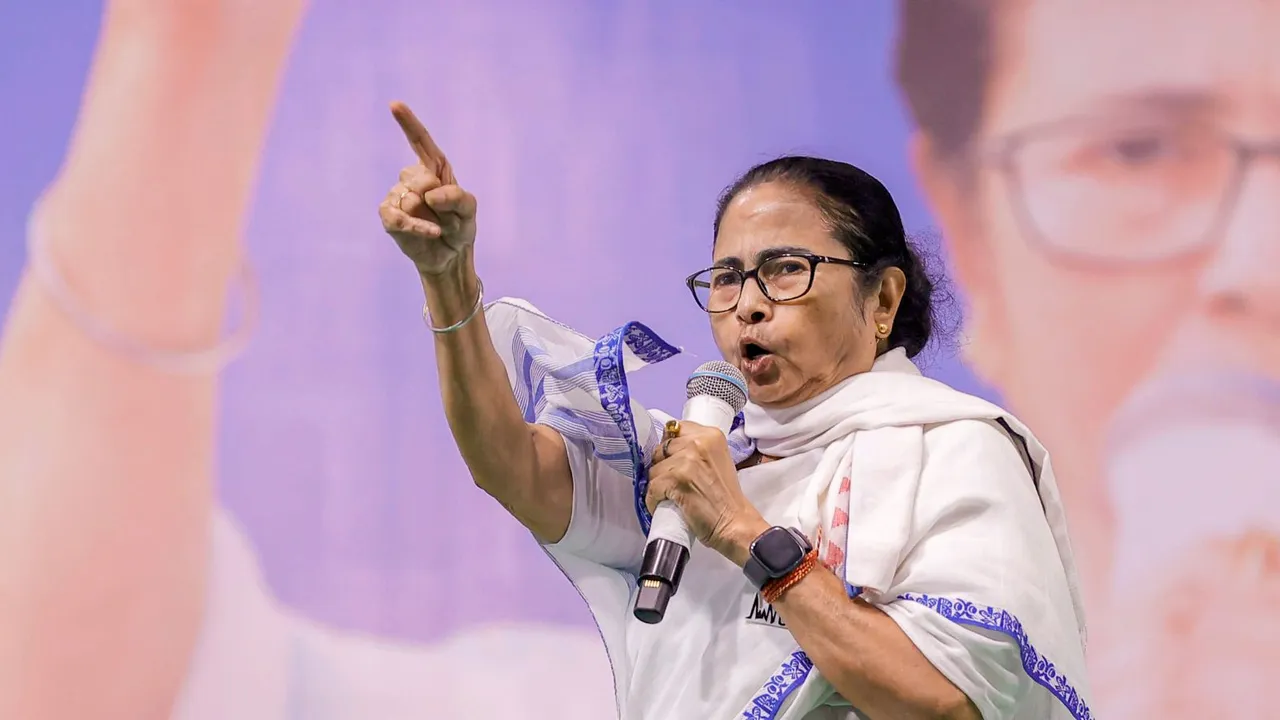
[(665, 556), (668, 524), (670, 538)]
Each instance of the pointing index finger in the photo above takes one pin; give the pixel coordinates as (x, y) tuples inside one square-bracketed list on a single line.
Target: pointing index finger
[(415, 132)]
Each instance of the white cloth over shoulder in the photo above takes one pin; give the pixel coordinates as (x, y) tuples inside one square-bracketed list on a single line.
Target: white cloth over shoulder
[(861, 502), (862, 506)]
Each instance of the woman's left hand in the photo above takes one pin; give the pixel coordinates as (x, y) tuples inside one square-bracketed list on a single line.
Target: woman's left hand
[(696, 472)]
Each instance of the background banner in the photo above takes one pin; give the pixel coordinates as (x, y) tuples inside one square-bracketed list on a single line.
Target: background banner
[(1098, 179)]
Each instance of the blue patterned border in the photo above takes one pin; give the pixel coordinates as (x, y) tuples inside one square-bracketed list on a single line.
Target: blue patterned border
[(611, 431), (795, 669), (539, 378), (768, 700), (741, 447), (615, 396), (1038, 667)]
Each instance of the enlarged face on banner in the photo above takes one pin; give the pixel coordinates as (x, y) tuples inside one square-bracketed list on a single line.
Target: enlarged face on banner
[(1107, 176)]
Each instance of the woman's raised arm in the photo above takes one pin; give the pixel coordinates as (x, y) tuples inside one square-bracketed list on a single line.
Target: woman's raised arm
[(522, 465)]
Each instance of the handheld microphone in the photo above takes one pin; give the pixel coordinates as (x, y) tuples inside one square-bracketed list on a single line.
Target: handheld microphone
[(717, 392)]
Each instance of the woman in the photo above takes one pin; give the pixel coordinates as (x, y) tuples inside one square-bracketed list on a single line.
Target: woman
[(946, 586)]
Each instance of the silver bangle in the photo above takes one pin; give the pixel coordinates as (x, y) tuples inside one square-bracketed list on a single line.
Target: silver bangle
[(201, 361), (426, 313)]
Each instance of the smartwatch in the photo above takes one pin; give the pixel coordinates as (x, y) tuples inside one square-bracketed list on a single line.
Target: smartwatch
[(774, 554)]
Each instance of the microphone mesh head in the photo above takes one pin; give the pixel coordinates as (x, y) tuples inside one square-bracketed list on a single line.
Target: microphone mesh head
[(720, 380)]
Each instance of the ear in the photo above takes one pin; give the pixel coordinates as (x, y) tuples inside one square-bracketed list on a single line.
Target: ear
[(893, 283), (953, 196)]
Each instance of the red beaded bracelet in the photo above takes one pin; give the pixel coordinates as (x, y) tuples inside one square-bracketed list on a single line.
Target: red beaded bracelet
[(774, 588)]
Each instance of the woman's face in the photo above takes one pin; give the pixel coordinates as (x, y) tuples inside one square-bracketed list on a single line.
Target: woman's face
[(812, 342), (1122, 238)]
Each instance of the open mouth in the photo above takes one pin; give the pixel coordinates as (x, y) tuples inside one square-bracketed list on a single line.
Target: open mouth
[(754, 355), (757, 360)]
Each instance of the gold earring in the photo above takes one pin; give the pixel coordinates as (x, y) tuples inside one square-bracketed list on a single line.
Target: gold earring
[(882, 330)]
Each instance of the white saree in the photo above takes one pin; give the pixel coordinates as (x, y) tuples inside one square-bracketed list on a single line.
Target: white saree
[(973, 569)]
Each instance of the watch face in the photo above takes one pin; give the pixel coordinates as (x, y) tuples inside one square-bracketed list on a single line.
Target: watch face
[(778, 551)]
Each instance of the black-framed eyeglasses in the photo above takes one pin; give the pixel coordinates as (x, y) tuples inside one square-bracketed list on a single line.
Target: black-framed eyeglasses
[(1124, 192), (781, 278)]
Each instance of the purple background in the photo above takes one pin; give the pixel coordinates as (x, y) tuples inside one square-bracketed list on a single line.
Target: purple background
[(596, 135)]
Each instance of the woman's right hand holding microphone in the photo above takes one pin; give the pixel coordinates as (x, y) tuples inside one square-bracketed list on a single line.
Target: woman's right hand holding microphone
[(433, 220)]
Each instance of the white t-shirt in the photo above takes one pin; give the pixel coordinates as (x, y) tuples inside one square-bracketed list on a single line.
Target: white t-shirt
[(256, 660), (717, 633)]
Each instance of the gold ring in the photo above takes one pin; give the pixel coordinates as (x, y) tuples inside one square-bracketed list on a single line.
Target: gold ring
[(666, 453), (400, 201), (672, 429)]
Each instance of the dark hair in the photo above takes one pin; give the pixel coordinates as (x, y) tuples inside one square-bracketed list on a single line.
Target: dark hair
[(944, 60), (865, 220)]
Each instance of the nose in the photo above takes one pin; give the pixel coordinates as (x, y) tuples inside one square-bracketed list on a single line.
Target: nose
[(753, 306), (1243, 276)]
